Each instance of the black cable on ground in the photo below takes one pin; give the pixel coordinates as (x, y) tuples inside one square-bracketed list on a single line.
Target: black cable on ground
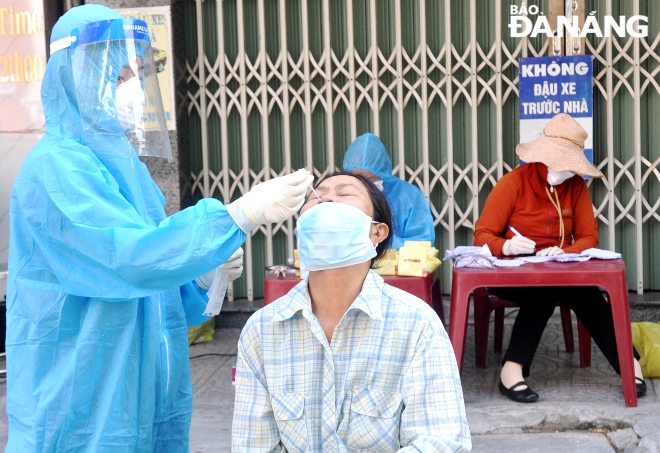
[(212, 353)]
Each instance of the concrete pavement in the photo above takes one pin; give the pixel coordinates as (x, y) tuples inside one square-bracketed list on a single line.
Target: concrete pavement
[(580, 410)]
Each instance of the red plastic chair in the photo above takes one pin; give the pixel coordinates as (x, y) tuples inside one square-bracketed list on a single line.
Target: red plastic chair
[(485, 303)]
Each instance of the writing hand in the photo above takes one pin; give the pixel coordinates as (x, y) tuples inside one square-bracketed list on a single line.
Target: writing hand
[(518, 245)]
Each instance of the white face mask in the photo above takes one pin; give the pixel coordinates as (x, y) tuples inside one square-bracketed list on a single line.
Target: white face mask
[(555, 178), (130, 102), (379, 184)]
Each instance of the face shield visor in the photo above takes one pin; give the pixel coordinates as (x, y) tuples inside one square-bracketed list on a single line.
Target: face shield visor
[(116, 88)]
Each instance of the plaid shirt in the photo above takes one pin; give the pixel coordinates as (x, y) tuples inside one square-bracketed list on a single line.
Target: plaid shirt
[(387, 382)]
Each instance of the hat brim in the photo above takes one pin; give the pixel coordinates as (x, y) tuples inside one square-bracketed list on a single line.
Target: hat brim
[(547, 151)]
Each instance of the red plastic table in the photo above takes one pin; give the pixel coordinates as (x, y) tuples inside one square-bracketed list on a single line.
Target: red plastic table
[(426, 288), (608, 274)]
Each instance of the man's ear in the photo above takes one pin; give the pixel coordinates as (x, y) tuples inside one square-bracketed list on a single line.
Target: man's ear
[(379, 232)]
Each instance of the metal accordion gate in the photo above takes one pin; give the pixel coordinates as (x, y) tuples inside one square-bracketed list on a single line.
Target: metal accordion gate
[(276, 85)]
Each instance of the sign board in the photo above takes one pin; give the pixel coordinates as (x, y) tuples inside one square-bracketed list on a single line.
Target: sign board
[(22, 122), (22, 65), (552, 85), (159, 21)]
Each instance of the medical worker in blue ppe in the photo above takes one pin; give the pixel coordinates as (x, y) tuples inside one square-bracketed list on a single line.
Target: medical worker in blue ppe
[(411, 214), (101, 284)]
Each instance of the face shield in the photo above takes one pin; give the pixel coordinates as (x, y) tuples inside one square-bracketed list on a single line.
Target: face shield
[(116, 88)]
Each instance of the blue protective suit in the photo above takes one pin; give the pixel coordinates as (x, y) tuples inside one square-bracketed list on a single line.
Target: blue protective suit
[(411, 214), (100, 289)]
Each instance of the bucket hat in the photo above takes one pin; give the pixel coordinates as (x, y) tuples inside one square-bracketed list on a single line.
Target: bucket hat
[(560, 147)]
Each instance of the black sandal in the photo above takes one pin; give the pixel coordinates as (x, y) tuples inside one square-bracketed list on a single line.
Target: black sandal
[(527, 395), (640, 385)]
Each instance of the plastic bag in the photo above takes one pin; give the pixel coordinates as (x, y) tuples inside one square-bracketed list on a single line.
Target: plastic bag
[(646, 338), (474, 261), (202, 333)]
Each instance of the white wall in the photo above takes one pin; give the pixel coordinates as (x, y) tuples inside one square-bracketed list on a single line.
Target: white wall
[(15, 147)]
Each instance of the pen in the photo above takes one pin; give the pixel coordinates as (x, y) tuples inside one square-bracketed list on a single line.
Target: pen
[(514, 231)]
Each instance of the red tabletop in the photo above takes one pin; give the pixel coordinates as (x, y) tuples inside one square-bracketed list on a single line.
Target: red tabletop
[(426, 288), (608, 274)]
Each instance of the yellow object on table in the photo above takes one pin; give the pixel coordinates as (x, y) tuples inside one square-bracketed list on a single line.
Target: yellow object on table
[(414, 259), (417, 259), (387, 264)]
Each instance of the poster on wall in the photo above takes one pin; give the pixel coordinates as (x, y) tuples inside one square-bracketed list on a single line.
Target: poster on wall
[(22, 65), (159, 21), (552, 85), (22, 122)]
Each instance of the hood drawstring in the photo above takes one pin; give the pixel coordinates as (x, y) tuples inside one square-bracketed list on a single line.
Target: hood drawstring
[(558, 208)]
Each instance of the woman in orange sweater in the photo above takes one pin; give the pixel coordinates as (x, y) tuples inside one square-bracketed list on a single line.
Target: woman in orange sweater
[(548, 203)]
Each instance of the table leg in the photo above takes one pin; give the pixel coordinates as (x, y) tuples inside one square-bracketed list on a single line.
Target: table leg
[(481, 325), (618, 294), (438, 305), (458, 315), (584, 338)]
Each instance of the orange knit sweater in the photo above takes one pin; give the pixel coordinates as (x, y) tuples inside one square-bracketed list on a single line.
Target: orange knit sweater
[(519, 200)]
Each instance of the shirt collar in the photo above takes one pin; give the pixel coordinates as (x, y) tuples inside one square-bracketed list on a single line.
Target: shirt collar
[(369, 300), (298, 299)]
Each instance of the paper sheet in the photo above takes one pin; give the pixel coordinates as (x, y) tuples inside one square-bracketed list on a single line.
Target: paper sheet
[(520, 260), (565, 258), (508, 263), (571, 257), (216, 294), (602, 254)]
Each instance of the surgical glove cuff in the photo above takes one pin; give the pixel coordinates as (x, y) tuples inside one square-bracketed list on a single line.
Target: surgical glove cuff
[(206, 280), (238, 213), (234, 265), (505, 247)]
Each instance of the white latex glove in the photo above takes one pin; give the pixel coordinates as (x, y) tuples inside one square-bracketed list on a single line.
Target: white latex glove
[(518, 245), (550, 251), (233, 267), (271, 201)]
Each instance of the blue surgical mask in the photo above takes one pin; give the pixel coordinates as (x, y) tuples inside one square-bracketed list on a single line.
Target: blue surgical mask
[(333, 235)]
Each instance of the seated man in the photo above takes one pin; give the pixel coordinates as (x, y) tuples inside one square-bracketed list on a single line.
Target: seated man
[(345, 362), (411, 214)]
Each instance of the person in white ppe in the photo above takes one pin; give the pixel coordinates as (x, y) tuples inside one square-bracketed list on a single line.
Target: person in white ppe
[(102, 284)]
